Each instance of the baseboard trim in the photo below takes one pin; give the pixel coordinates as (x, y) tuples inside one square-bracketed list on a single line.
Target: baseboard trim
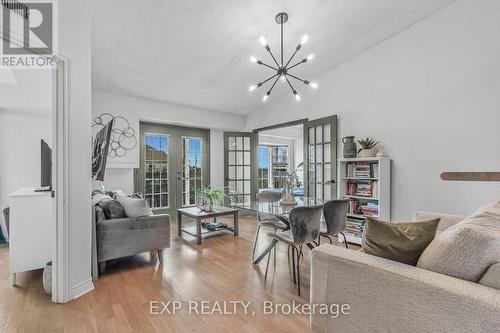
[(82, 288)]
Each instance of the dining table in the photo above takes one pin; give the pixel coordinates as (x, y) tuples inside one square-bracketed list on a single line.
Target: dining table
[(280, 210)]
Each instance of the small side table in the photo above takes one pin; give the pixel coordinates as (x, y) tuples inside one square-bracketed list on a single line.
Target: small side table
[(198, 215)]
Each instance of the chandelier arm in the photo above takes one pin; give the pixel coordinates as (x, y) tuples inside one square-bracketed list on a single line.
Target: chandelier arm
[(298, 78), (300, 62), (273, 85), (291, 87), (293, 55), (272, 55), (270, 78), (269, 66)]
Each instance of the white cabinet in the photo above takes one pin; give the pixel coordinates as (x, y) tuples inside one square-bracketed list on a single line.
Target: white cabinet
[(30, 245)]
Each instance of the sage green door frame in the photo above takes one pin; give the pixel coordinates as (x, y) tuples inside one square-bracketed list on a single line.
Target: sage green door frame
[(175, 158), (332, 120), (320, 124)]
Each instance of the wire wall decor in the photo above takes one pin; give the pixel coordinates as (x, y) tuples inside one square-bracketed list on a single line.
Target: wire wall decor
[(122, 137)]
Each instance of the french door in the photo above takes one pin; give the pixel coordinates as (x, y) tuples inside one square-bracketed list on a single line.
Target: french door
[(320, 155), (240, 171), (174, 165)]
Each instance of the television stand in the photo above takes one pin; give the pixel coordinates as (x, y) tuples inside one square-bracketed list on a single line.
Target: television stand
[(43, 189)]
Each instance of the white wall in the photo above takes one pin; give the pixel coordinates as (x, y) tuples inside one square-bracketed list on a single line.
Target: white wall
[(25, 118), (74, 41), (119, 172), (431, 95)]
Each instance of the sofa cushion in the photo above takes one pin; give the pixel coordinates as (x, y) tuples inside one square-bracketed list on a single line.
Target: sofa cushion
[(467, 249), (492, 277), (403, 242), (112, 209)]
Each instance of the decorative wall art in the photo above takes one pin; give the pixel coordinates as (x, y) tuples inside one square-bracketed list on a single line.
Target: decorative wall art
[(122, 137)]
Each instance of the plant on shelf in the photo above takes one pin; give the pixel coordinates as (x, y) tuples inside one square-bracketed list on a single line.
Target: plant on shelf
[(367, 146), (207, 197)]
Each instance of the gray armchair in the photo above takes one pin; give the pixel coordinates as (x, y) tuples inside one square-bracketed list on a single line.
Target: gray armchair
[(116, 238)]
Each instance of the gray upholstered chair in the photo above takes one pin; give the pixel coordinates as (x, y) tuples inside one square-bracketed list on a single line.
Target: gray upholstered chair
[(267, 220), (335, 213), (122, 237), (304, 229)]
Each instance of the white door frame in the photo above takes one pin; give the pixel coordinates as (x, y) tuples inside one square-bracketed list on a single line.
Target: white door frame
[(60, 183), (60, 162)]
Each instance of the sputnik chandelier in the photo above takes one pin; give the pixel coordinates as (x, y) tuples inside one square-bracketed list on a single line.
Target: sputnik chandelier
[(282, 69)]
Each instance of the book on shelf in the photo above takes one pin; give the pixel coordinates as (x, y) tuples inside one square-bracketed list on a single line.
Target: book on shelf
[(367, 209), (362, 170), (362, 188)]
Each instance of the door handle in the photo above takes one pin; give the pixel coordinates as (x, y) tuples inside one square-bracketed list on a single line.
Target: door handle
[(332, 181)]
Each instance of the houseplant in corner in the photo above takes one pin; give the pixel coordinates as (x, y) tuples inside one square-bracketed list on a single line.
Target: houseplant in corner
[(367, 146), (207, 197)]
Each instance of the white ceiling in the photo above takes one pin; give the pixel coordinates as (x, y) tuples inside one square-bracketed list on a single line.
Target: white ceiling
[(196, 53)]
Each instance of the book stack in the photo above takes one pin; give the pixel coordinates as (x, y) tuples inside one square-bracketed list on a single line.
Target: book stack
[(361, 188), (370, 209), (364, 189), (354, 207), (362, 170), (355, 226)]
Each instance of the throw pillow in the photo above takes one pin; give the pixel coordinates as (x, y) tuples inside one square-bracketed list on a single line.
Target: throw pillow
[(402, 242), (135, 207), (467, 249), (112, 209), (492, 277)]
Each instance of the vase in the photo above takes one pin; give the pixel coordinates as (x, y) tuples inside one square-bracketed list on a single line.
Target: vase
[(350, 149), (47, 278), (288, 199), (204, 204), (366, 153)]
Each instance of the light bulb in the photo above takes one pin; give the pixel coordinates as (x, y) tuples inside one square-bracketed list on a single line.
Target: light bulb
[(297, 97), (304, 39), (310, 57), (282, 78), (252, 87), (253, 59), (262, 40), (313, 85), (265, 97)]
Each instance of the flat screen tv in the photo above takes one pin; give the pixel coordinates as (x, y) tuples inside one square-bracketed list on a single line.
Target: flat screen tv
[(46, 165)]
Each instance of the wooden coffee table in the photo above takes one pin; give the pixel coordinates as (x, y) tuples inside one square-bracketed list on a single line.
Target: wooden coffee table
[(198, 215)]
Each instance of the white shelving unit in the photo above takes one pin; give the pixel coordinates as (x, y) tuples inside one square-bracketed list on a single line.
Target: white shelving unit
[(377, 205)]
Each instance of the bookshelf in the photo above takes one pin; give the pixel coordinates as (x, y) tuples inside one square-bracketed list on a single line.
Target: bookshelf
[(366, 182)]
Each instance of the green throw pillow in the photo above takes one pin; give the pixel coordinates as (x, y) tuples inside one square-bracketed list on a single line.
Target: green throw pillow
[(403, 242)]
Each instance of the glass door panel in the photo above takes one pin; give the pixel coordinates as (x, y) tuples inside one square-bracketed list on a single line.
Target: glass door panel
[(321, 145), (239, 166), (192, 166), (156, 170)]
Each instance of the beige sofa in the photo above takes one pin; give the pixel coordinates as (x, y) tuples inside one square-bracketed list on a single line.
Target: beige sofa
[(387, 296)]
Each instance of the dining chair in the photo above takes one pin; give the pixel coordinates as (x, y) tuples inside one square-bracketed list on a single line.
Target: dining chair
[(335, 213), (267, 220), (304, 228)]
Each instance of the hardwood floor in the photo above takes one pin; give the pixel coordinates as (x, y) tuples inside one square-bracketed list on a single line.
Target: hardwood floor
[(219, 269)]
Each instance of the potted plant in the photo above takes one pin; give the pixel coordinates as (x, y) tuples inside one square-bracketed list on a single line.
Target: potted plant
[(367, 146), (207, 198)]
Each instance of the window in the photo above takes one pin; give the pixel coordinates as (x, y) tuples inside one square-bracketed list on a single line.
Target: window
[(273, 166), (263, 167), (192, 169), (156, 170)]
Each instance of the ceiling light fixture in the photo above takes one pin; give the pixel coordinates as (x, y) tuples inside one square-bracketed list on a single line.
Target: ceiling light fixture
[(282, 69)]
